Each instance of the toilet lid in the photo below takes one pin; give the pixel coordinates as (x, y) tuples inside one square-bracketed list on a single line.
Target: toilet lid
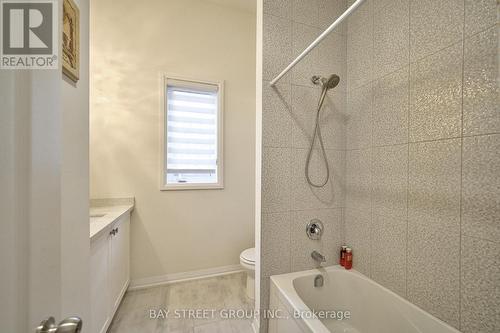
[(248, 255)]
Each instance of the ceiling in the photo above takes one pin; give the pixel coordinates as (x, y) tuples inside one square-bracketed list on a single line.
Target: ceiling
[(246, 5)]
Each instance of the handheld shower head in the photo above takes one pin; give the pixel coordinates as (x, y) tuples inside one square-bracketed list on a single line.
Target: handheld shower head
[(327, 83), (331, 82)]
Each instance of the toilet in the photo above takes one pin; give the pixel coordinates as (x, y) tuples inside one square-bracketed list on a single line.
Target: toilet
[(247, 261)]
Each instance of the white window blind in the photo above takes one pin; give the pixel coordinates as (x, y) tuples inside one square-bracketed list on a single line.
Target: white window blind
[(192, 132)]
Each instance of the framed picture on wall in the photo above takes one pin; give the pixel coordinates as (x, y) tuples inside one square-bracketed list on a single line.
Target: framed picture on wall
[(71, 41)]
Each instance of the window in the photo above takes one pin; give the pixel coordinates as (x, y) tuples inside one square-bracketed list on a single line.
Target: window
[(192, 140)]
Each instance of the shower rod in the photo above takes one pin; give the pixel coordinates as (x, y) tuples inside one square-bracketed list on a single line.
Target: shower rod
[(318, 40)]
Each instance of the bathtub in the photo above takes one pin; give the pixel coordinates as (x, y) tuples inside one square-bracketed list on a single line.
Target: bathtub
[(348, 302)]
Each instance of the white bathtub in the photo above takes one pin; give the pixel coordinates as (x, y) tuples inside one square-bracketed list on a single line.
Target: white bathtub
[(372, 308)]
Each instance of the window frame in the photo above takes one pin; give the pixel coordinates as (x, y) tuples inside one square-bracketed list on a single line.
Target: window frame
[(164, 186)]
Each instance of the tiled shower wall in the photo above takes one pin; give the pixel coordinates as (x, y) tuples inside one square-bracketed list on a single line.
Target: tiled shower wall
[(289, 110), (423, 154), (420, 139)]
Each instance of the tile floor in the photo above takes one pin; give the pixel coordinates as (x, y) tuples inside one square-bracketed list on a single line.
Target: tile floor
[(224, 293)]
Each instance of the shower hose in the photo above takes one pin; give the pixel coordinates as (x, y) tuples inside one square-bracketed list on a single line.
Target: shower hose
[(317, 133)]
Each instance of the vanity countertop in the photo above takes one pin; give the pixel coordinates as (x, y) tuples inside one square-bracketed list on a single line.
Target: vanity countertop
[(104, 212)]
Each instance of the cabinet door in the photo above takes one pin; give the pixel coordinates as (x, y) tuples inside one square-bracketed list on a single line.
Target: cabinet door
[(99, 283), (119, 260)]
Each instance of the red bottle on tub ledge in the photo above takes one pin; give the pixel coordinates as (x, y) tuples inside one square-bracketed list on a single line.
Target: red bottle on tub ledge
[(348, 258), (342, 255)]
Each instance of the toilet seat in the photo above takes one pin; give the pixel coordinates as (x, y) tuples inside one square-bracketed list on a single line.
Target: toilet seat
[(248, 256)]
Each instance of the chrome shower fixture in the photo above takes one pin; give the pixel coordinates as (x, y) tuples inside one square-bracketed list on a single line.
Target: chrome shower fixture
[(331, 82), (316, 79), (326, 83)]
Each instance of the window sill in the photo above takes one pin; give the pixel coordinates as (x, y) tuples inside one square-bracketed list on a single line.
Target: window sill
[(184, 187)]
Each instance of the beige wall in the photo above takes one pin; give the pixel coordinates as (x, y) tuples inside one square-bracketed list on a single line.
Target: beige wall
[(172, 231)]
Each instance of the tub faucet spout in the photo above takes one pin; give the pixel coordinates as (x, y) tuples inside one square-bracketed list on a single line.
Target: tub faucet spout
[(318, 257), (318, 281)]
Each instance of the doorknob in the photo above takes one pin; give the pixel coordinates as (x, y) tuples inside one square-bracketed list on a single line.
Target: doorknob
[(47, 325), (68, 325)]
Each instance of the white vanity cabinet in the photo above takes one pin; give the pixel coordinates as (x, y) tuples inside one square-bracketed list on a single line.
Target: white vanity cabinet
[(109, 271), (119, 261), (99, 276)]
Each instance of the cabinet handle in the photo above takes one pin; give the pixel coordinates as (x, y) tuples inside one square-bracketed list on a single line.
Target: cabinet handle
[(112, 232), (116, 230)]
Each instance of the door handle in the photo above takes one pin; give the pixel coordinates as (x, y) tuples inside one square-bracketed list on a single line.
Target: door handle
[(68, 325)]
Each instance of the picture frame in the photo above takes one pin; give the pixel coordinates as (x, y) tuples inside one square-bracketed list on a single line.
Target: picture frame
[(71, 40)]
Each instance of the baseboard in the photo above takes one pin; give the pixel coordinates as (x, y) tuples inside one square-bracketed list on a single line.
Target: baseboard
[(183, 276)]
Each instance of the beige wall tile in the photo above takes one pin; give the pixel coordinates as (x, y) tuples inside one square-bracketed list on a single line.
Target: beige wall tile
[(434, 228), (276, 115), (434, 26), (479, 284), (436, 95), (388, 252), (275, 234), (390, 181), (358, 235), (390, 108), (359, 179), (277, 46), (481, 187), (391, 38), (481, 92), (276, 179), (281, 8), (479, 15), (304, 104), (306, 11), (359, 118)]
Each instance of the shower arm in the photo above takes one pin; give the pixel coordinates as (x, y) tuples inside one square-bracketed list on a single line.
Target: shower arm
[(318, 40)]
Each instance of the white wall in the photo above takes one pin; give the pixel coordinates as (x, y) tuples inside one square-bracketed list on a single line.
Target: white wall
[(172, 231)]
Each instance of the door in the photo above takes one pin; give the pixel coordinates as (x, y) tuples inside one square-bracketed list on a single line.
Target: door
[(44, 191)]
